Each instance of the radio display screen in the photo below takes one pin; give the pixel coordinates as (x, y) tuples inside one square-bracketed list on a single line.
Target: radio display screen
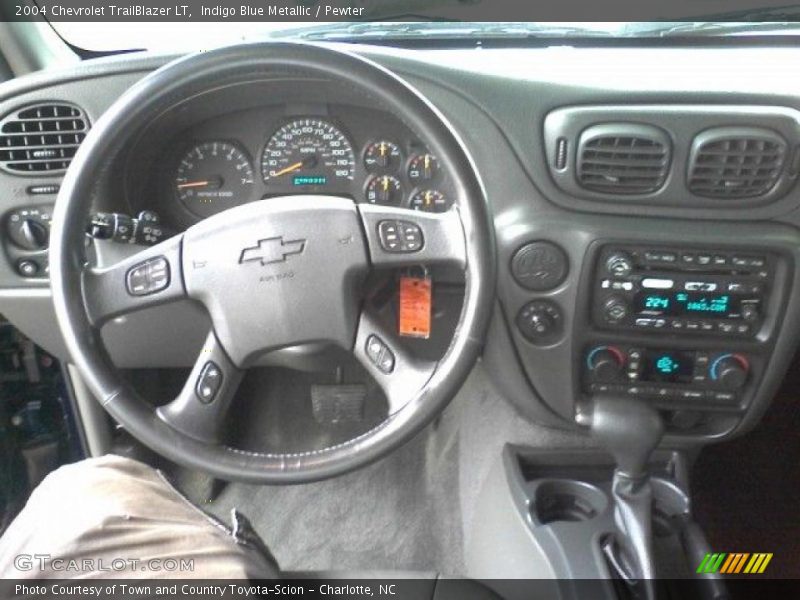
[(668, 366), (688, 304)]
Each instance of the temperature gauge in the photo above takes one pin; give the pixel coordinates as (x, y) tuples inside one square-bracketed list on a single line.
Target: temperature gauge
[(382, 156), (384, 189), (422, 167), (429, 201)]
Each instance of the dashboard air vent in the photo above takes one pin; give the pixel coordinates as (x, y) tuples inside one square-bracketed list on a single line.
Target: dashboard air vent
[(623, 158), (736, 162), (41, 138)]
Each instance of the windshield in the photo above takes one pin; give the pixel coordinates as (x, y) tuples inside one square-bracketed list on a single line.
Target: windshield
[(113, 36)]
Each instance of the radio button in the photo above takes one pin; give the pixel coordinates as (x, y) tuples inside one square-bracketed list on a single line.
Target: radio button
[(692, 325), (703, 259), (725, 327), (654, 283), (677, 324), (720, 260), (689, 258), (742, 328), (644, 322), (706, 325), (700, 286)]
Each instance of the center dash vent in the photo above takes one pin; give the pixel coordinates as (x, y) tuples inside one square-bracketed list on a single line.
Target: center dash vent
[(41, 138), (623, 158), (736, 162)]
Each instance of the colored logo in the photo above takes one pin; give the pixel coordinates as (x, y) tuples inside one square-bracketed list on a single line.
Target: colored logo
[(735, 563), (272, 250)]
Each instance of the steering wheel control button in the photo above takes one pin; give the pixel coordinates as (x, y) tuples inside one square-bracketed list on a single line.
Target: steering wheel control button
[(539, 266), (209, 382), (148, 277), (540, 322), (400, 236), (379, 354)]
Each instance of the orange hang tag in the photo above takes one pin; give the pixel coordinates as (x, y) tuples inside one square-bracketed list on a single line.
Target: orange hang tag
[(415, 307)]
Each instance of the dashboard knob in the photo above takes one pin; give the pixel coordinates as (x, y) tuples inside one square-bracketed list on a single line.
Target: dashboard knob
[(28, 232), (616, 308), (730, 371), (540, 321), (749, 312), (605, 363), (33, 235), (619, 264)]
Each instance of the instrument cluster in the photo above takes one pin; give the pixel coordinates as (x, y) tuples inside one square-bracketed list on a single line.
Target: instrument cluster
[(372, 160)]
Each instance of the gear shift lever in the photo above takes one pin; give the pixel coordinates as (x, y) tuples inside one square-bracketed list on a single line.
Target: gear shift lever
[(630, 430)]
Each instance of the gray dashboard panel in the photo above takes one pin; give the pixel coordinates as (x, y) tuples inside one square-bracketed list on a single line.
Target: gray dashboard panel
[(497, 100)]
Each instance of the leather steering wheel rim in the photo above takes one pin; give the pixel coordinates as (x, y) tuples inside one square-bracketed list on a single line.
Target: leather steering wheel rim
[(168, 87)]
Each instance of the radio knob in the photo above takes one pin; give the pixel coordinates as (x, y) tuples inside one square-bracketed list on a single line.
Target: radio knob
[(749, 312), (619, 264), (605, 363), (730, 371), (615, 308)]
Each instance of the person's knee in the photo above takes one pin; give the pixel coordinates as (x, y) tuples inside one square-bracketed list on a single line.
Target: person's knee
[(103, 485)]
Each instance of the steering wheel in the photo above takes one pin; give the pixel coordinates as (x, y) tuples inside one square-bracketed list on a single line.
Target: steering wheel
[(272, 274)]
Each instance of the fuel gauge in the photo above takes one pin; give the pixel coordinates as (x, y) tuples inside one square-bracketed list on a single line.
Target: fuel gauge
[(384, 189)]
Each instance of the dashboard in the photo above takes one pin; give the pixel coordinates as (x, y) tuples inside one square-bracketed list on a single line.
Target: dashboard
[(645, 207)]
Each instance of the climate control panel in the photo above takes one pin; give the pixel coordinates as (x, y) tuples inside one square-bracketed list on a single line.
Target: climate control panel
[(667, 376)]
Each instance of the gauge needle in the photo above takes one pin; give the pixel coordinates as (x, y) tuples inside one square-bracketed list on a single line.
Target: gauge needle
[(289, 169), (193, 184), (210, 182)]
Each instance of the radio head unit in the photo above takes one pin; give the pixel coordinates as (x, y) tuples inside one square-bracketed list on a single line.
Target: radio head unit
[(690, 291)]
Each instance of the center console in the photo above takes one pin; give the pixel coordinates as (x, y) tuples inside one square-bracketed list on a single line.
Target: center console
[(683, 327)]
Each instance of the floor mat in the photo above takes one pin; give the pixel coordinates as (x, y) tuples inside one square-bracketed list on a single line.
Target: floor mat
[(746, 492), (413, 510)]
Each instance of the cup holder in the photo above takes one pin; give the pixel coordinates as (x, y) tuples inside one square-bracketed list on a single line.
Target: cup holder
[(566, 500)]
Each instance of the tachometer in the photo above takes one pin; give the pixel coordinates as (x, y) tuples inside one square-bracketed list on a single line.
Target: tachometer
[(213, 176), (308, 152)]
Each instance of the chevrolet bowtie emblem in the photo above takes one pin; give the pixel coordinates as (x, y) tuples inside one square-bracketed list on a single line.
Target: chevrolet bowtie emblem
[(272, 250)]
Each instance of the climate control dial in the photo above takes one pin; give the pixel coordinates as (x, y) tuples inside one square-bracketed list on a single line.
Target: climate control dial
[(730, 371), (605, 363)]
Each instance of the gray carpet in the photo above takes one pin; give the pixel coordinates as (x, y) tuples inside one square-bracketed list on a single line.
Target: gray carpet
[(410, 511)]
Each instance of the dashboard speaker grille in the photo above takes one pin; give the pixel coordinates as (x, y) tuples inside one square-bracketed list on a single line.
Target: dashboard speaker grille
[(736, 162), (623, 158), (42, 138)]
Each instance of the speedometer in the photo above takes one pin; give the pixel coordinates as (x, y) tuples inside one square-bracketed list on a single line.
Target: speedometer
[(308, 152)]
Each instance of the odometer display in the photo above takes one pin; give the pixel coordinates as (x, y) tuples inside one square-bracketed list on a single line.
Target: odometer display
[(308, 152)]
